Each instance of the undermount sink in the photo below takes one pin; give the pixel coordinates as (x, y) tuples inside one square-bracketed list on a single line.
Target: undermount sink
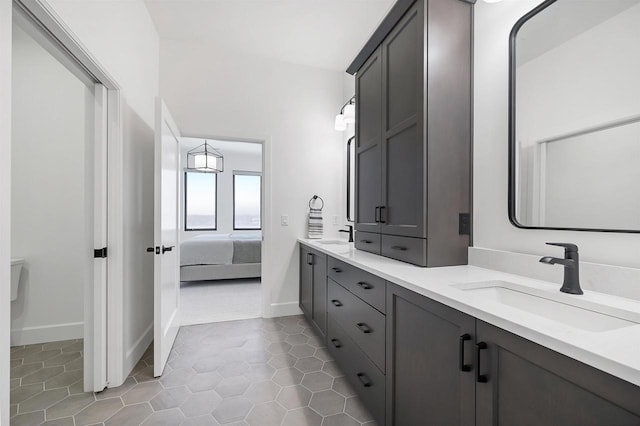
[(567, 309), (333, 242)]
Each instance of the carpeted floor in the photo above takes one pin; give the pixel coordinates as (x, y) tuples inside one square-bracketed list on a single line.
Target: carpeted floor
[(203, 302)]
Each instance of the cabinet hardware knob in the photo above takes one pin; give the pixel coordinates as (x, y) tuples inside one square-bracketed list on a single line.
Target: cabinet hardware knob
[(480, 378), (364, 379), (365, 286), (401, 248), (336, 343), (364, 328), (366, 241), (464, 338), (336, 270), (336, 302)]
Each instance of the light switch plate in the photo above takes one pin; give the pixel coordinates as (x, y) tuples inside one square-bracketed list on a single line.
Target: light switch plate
[(284, 220)]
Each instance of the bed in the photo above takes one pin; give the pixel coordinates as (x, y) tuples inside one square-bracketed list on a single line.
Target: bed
[(221, 256)]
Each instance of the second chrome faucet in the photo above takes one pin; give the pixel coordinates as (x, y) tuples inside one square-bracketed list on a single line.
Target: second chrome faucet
[(571, 283)]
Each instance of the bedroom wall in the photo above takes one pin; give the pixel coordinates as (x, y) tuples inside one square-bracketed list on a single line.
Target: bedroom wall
[(122, 37), (233, 160), (53, 232), (293, 107)]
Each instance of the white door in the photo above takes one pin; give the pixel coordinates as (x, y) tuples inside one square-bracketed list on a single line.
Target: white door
[(166, 228)]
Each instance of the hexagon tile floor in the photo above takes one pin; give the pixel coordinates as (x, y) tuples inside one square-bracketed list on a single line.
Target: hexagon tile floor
[(258, 372)]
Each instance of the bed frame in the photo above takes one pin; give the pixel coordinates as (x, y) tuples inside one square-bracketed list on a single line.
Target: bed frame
[(220, 272)]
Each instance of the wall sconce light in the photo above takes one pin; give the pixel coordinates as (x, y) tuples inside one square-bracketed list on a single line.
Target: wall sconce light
[(347, 115), (205, 159)]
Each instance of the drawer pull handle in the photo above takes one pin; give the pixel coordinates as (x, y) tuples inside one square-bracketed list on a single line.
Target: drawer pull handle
[(336, 343), (464, 338), (364, 380), (363, 327), (336, 302), (366, 241), (480, 378), (337, 270), (401, 248), (365, 286)]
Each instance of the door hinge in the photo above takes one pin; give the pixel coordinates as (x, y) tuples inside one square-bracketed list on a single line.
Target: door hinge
[(100, 253)]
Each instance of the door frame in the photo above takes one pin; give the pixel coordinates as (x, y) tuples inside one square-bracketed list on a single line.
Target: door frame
[(107, 351), (266, 309)]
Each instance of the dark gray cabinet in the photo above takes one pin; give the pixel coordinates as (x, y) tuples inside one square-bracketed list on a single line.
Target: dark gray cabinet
[(313, 287), (430, 377), (413, 137), (527, 384)]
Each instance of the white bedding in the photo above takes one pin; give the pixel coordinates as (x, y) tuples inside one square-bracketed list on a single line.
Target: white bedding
[(212, 249)]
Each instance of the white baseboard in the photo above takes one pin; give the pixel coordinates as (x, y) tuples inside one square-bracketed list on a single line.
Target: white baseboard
[(136, 351), (47, 333), (285, 309)]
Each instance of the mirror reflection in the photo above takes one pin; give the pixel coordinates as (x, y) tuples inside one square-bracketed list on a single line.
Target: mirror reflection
[(576, 130)]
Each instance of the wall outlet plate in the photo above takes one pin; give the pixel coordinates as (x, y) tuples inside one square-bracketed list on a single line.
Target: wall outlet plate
[(284, 220)]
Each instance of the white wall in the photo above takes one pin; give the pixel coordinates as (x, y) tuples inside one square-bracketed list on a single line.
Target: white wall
[(5, 200), (121, 36), (233, 160), (52, 194), (492, 228), (216, 93)]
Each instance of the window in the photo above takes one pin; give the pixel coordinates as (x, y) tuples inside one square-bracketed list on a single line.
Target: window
[(247, 200), (200, 201)]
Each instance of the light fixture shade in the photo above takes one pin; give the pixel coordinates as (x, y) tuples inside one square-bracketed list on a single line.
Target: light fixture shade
[(205, 159), (340, 123), (350, 114)]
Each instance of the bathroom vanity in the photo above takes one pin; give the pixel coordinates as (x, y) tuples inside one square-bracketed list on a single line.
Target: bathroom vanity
[(464, 345)]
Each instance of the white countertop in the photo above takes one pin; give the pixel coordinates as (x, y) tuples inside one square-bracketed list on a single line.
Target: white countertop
[(616, 352)]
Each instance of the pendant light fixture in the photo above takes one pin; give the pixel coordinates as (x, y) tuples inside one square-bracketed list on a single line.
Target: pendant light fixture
[(347, 115), (205, 158)]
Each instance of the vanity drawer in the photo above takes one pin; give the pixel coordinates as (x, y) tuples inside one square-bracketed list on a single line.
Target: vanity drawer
[(368, 287), (367, 241), (407, 249), (364, 325), (362, 374)]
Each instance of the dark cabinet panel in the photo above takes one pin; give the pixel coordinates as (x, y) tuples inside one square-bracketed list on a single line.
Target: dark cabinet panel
[(369, 106), (306, 282), (368, 189), (313, 287), (429, 346), (528, 384), (320, 292), (406, 249), (366, 286)]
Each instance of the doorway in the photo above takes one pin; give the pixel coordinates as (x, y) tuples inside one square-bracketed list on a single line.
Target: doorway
[(221, 234)]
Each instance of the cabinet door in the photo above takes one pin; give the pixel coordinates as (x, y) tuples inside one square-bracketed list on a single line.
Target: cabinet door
[(403, 144), (320, 292), (527, 384), (430, 377), (368, 131), (306, 282)]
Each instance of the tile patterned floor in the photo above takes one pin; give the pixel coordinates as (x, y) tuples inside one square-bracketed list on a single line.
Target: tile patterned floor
[(252, 372)]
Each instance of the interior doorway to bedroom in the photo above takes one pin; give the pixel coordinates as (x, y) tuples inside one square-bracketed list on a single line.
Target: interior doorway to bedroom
[(221, 237)]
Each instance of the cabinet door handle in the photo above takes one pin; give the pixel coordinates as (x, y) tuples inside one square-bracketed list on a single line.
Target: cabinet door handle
[(364, 328), (336, 302), (401, 248), (364, 379), (365, 286), (464, 338), (336, 270), (480, 378), (309, 258), (366, 241), (376, 215), (336, 343), (385, 218)]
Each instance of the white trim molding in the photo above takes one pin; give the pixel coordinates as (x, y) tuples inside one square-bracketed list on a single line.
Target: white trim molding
[(285, 309), (47, 333), (134, 354)]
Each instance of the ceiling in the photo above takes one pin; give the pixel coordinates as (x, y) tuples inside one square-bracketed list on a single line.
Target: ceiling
[(319, 33), (243, 148)]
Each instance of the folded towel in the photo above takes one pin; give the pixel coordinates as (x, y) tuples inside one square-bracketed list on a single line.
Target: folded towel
[(315, 223)]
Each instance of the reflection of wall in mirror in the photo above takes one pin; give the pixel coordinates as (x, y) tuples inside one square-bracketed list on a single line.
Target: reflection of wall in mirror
[(589, 80)]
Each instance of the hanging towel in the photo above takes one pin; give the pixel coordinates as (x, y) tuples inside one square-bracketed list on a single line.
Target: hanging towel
[(315, 219)]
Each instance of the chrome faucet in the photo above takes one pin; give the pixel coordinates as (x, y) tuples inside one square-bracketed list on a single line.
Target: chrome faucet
[(571, 283), (350, 231)]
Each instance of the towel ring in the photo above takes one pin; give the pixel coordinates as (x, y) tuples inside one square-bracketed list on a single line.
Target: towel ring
[(315, 197)]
